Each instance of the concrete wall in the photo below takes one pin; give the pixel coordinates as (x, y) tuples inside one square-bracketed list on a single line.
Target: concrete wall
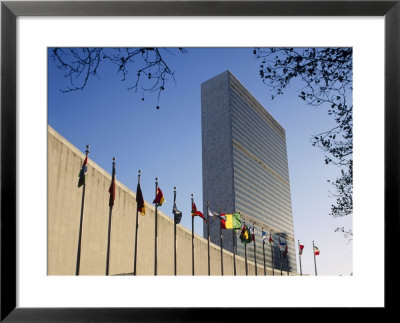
[(64, 205)]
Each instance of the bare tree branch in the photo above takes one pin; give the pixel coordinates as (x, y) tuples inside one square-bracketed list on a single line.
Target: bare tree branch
[(152, 73)]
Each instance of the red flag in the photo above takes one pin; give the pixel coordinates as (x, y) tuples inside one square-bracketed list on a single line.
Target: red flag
[(253, 236), (271, 241), (301, 247), (198, 213), (159, 200), (285, 252), (222, 218)]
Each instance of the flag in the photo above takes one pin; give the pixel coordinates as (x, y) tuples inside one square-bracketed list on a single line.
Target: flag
[(233, 221), (222, 219), (177, 214), (270, 240), (285, 252), (212, 214), (159, 200), (198, 213), (83, 173), (252, 235), (245, 235), (264, 236), (316, 251), (111, 190), (301, 247), (140, 201)]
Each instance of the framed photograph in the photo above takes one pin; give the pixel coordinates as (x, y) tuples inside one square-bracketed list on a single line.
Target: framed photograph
[(34, 290)]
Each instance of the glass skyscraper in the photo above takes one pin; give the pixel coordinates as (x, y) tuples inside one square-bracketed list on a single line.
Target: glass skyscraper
[(245, 169)]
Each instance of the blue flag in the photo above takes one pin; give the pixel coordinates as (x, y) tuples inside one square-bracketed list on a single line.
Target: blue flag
[(264, 236)]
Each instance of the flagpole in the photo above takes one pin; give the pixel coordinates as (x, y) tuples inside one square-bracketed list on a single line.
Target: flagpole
[(254, 244), (287, 257), (108, 241), (263, 241), (280, 253), (315, 262), (298, 242), (233, 251), (155, 233), (136, 229), (220, 238), (78, 256), (272, 255), (208, 235), (174, 234), (245, 257), (109, 226), (192, 239)]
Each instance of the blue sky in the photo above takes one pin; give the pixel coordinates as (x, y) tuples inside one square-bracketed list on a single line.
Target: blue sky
[(166, 143)]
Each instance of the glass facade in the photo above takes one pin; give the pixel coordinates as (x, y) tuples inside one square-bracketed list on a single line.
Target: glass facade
[(261, 182), (259, 176)]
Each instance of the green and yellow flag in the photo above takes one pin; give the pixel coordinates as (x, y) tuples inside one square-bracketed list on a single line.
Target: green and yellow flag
[(245, 235), (233, 221)]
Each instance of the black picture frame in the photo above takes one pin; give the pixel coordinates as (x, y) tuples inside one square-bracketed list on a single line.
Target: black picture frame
[(10, 10)]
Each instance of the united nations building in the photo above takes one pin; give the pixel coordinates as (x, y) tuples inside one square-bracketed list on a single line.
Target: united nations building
[(245, 169)]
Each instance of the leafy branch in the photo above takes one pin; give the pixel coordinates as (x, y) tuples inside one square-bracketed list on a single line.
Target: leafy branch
[(327, 77)]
